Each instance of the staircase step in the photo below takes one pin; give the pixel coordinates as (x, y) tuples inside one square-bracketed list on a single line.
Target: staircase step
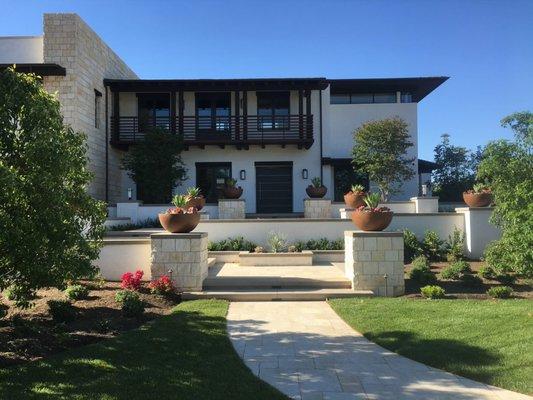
[(267, 282), (303, 294)]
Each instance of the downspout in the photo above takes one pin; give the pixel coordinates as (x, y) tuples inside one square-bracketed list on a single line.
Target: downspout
[(320, 103), (106, 149)]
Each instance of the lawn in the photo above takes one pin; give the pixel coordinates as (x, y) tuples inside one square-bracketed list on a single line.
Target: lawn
[(185, 355), (489, 340)]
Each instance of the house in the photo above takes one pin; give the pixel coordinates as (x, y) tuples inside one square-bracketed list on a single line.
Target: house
[(273, 135)]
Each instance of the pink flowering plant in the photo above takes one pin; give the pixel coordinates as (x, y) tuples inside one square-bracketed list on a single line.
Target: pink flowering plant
[(162, 286), (132, 281), (180, 205), (372, 204)]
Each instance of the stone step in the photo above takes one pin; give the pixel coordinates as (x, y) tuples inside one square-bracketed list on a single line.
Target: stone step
[(273, 282), (303, 294), (211, 261)]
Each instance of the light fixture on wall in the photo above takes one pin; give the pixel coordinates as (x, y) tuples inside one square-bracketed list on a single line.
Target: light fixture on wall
[(129, 193), (242, 175), (305, 173), (424, 190)]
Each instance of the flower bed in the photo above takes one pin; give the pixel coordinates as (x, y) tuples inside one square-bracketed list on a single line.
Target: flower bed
[(272, 259)]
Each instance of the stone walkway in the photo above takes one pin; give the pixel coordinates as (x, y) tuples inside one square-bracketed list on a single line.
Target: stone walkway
[(309, 353)]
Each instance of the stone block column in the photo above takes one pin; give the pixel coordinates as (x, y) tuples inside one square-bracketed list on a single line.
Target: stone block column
[(317, 208), (231, 209), (374, 261), (183, 256)]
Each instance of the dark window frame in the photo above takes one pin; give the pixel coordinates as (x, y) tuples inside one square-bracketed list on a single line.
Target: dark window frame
[(141, 124), (213, 129), (214, 164), (97, 105), (285, 119), (373, 95)]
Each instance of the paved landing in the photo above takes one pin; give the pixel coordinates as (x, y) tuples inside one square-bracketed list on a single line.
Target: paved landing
[(309, 353)]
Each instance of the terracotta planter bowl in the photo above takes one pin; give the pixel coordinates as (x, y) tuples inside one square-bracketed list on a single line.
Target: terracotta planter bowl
[(371, 221), (232, 192), (354, 200), (179, 223), (477, 199), (197, 202), (316, 193)]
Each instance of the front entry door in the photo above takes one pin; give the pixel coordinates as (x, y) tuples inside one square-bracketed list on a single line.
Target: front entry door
[(273, 187)]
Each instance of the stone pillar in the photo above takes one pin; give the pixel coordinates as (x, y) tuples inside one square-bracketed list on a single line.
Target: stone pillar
[(317, 208), (231, 209), (129, 209), (479, 232), (425, 204), (374, 261), (184, 254), (346, 213)]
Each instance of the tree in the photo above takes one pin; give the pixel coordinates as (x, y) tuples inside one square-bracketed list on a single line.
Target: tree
[(380, 150), (455, 172), (508, 167), (50, 228), (155, 165)]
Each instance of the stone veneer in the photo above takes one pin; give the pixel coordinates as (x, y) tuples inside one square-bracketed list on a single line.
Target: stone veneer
[(231, 209), (71, 43), (183, 256), (317, 208), (374, 261)]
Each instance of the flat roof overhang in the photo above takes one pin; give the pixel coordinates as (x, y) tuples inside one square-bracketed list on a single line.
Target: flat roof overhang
[(38, 69), (150, 85), (419, 87)]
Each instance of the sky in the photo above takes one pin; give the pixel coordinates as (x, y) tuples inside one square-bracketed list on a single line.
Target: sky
[(485, 47)]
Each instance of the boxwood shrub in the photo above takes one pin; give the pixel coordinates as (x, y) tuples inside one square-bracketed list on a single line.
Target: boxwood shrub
[(500, 292), (433, 292)]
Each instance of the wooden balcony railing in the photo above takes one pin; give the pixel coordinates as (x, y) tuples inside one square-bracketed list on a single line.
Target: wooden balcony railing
[(231, 130)]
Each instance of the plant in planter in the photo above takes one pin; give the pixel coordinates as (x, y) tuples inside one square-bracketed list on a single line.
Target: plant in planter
[(316, 190), (479, 196), (180, 218), (355, 197), (370, 217), (195, 198), (231, 190)]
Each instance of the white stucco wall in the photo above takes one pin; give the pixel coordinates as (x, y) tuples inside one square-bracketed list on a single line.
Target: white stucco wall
[(21, 49)]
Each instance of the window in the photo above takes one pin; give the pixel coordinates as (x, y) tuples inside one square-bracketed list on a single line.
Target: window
[(154, 111), (384, 97), (362, 98), (344, 177), (211, 177), (273, 110), (97, 101), (340, 99), (406, 97), (213, 112)]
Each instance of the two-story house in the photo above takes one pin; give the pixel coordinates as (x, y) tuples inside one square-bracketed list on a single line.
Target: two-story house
[(273, 135)]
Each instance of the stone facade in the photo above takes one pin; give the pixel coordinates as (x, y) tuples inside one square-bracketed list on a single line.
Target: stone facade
[(374, 261), (182, 256), (71, 43), (317, 208), (231, 209)]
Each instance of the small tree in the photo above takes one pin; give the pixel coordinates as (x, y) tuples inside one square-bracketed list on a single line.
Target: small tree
[(50, 228), (380, 150), (508, 167), (155, 165)]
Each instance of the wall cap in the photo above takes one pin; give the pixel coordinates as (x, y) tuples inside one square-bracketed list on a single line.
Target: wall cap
[(168, 235), (372, 234)]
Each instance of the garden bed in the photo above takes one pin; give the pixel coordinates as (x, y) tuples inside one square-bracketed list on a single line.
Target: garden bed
[(31, 334), (304, 257)]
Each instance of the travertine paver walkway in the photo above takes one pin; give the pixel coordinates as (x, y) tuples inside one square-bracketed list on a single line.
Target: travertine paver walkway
[(308, 352)]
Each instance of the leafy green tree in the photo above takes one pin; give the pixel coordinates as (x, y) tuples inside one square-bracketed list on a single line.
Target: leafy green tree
[(155, 165), (455, 172), (508, 167), (380, 150), (50, 228)]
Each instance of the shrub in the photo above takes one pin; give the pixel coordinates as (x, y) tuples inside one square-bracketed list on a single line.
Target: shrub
[(433, 292), (421, 272), (471, 280), (487, 272), (433, 246), (259, 249), (132, 305), (147, 223), (456, 270), (232, 244), (277, 242), (455, 245), (320, 244), (292, 249), (77, 292), (132, 281), (500, 292), (61, 310), (162, 286), (412, 247)]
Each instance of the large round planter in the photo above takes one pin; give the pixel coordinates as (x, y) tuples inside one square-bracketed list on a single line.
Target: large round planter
[(316, 192), (232, 192), (371, 221), (477, 199), (354, 200), (196, 202), (179, 223)]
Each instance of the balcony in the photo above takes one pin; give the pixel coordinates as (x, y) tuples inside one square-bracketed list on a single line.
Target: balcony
[(240, 131)]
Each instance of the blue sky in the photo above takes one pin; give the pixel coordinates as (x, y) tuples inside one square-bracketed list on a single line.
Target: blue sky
[(484, 46)]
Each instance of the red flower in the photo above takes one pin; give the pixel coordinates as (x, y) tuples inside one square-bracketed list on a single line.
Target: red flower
[(132, 281), (163, 286)]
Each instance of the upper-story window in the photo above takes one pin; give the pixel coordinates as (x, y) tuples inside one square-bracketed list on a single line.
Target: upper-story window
[(406, 97), (154, 110), (97, 101), (362, 98), (273, 109), (213, 111)]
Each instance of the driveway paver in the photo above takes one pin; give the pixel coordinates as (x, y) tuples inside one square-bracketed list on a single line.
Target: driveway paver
[(309, 353)]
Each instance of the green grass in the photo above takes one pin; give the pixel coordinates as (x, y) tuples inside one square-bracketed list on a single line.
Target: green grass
[(489, 341), (186, 355)]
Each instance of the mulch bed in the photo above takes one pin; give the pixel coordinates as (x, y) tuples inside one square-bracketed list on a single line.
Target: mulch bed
[(456, 289), (27, 335)]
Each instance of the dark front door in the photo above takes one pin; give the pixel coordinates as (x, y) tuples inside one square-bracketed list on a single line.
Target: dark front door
[(273, 187)]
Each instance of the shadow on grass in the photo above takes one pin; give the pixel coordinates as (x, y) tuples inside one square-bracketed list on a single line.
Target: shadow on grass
[(186, 355)]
